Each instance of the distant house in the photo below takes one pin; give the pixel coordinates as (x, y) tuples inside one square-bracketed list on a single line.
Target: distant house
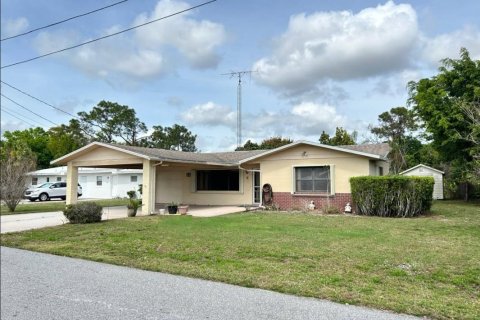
[(423, 170), (100, 183), (298, 173)]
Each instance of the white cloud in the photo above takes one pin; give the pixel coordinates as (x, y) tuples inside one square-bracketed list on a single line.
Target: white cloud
[(301, 121), (448, 45), (340, 46), (209, 114), (195, 40), (148, 52), (12, 27)]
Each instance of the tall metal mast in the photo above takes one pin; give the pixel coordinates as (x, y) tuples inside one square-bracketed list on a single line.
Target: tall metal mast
[(239, 74)]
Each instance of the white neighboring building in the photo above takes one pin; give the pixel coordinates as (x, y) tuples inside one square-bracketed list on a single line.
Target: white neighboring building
[(99, 183), (426, 171)]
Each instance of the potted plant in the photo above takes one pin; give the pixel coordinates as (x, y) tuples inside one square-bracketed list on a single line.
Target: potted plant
[(132, 207), (133, 203), (183, 209), (172, 208)]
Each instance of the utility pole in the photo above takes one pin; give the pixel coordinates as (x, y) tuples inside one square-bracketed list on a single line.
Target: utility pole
[(238, 74)]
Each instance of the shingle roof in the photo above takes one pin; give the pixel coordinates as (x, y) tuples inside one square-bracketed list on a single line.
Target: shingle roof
[(381, 149), (227, 158)]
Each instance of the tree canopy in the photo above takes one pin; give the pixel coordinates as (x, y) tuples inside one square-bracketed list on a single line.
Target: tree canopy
[(396, 126), (35, 139), (176, 137), (108, 121), (437, 101), (341, 137), (269, 143)]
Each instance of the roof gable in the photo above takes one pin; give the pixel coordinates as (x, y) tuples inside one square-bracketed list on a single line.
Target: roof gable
[(318, 145), (422, 166)]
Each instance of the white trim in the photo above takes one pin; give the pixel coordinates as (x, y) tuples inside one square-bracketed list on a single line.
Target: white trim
[(259, 186), (101, 144), (293, 144), (423, 166)]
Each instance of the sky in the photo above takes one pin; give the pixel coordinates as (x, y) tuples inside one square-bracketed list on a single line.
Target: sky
[(317, 65)]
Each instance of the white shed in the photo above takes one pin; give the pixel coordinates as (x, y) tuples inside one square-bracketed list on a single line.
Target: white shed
[(426, 171), (99, 183)]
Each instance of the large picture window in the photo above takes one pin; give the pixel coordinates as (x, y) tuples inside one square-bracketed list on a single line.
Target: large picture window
[(218, 180), (312, 179)]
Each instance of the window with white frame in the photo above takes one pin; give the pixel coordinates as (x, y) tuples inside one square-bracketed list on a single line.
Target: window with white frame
[(315, 179), (59, 179), (99, 180), (34, 181), (133, 178), (48, 179)]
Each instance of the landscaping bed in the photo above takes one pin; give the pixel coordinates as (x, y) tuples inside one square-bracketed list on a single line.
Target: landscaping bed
[(423, 266)]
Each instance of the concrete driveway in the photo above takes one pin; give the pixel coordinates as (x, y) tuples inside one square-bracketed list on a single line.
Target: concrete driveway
[(28, 221), (42, 286)]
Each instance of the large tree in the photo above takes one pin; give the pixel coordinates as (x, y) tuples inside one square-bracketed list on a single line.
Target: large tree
[(64, 139), (176, 137), (439, 102), (15, 162), (36, 139), (109, 121), (436, 101), (396, 126)]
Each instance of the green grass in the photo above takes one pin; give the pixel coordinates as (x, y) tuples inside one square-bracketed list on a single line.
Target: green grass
[(48, 206), (424, 266)]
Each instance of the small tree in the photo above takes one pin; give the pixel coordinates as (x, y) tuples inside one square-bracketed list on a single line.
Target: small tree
[(16, 162)]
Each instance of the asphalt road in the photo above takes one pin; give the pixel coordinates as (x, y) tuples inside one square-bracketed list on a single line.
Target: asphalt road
[(41, 286)]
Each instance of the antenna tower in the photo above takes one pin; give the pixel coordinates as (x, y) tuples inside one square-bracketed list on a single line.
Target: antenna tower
[(239, 75)]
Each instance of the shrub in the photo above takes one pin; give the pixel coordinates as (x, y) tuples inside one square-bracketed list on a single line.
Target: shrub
[(392, 196), (83, 212), (329, 209)]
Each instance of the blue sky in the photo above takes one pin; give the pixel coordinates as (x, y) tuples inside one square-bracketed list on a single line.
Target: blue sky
[(320, 64)]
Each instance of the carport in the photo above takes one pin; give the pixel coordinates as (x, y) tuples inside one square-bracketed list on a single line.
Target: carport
[(214, 179), (102, 155)]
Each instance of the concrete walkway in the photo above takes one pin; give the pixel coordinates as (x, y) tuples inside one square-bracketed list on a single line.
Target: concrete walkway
[(28, 221), (41, 286)]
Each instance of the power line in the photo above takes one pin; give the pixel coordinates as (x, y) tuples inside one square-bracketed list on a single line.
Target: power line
[(56, 108), (30, 124), (21, 115), (39, 100), (18, 104), (62, 21), (107, 36)]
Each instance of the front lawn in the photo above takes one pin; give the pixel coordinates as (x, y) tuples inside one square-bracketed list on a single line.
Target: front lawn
[(423, 266), (49, 206)]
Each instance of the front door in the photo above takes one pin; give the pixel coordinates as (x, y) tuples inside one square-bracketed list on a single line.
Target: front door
[(256, 187)]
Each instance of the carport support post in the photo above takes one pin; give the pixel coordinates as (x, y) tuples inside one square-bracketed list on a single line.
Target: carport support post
[(72, 181), (148, 188)]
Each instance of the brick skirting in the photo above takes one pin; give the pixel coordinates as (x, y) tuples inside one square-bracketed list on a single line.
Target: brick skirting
[(288, 201)]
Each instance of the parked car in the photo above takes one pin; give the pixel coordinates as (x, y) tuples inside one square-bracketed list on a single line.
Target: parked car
[(50, 190)]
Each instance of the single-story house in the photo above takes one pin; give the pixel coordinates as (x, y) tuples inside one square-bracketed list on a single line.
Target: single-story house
[(298, 173), (99, 183), (426, 171)]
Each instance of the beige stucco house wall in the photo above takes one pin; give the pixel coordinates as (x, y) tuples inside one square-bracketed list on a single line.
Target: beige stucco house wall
[(177, 184)]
